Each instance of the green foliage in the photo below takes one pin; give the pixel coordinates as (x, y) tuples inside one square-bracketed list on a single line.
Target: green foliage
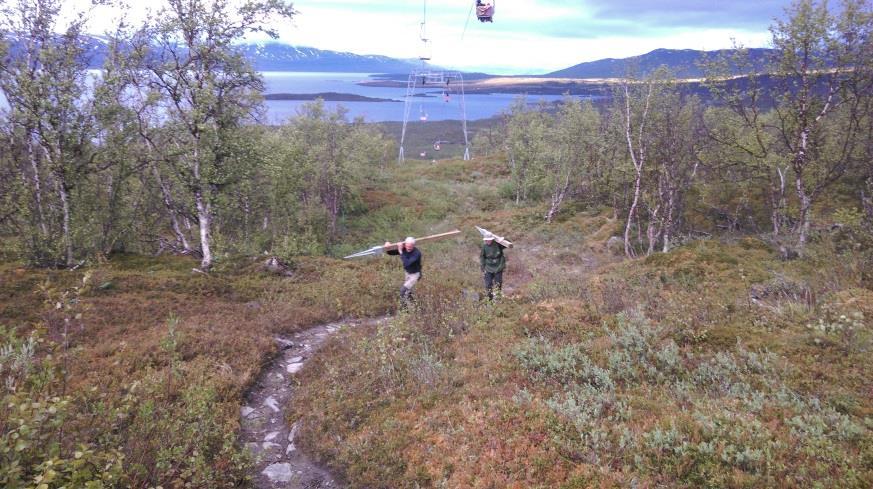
[(702, 374), (849, 216), (32, 455), (144, 174), (317, 168), (577, 152), (34, 447), (527, 148), (181, 440), (49, 125), (818, 70)]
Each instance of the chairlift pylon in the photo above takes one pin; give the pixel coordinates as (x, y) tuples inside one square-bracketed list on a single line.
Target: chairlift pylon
[(424, 76), (451, 81)]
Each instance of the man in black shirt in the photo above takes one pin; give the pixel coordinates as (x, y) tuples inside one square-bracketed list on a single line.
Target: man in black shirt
[(411, 258)]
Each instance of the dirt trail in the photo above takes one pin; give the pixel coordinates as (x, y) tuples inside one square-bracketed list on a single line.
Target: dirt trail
[(264, 430)]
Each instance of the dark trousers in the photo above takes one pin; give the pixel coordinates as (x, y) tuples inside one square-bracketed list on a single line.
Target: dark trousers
[(492, 279)]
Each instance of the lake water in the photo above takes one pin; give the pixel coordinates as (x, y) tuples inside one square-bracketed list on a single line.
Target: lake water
[(434, 108)]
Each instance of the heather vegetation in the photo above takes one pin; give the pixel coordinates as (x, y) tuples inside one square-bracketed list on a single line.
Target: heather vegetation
[(717, 364), (688, 304)]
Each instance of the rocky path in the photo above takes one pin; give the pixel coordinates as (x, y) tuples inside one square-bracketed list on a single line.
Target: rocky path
[(264, 430)]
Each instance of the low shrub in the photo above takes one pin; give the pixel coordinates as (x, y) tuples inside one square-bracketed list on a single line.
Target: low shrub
[(36, 446)]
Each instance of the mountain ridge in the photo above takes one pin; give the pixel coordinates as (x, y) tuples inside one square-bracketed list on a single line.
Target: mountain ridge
[(271, 56), (684, 63), (279, 56)]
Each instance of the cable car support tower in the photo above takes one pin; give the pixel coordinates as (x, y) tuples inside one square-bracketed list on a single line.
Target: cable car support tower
[(423, 77)]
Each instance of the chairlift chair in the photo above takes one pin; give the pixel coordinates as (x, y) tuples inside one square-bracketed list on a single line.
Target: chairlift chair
[(485, 10)]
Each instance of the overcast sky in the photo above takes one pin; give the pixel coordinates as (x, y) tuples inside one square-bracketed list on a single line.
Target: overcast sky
[(527, 36)]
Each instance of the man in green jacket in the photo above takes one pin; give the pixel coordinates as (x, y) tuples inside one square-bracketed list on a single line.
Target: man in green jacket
[(493, 262)]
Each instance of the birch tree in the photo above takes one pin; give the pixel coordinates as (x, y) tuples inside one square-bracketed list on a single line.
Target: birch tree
[(117, 197), (745, 149), (821, 87), (675, 159), (208, 90), (527, 147), (575, 151), (321, 163), (636, 99), (50, 117)]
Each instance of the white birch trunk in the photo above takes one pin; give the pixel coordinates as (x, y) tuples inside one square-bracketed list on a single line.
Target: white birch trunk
[(558, 198), (668, 224), (803, 197), (652, 231), (37, 186), (805, 206), (204, 219), (65, 206), (204, 214), (638, 162), (778, 203)]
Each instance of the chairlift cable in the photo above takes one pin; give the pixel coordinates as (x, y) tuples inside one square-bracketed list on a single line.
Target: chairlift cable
[(467, 23), (423, 33)]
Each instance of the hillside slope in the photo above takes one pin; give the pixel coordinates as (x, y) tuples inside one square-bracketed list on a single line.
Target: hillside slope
[(715, 365)]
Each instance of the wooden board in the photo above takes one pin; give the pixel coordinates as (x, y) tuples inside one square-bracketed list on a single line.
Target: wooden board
[(391, 249), (500, 239)]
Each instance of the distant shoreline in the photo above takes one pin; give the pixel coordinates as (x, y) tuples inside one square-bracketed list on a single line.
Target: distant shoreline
[(326, 96), (594, 88)]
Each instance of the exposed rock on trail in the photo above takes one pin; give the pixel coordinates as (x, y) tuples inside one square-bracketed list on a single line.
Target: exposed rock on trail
[(279, 463)]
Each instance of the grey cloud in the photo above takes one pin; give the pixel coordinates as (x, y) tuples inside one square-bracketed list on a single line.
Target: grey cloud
[(647, 18), (749, 14), (577, 28)]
